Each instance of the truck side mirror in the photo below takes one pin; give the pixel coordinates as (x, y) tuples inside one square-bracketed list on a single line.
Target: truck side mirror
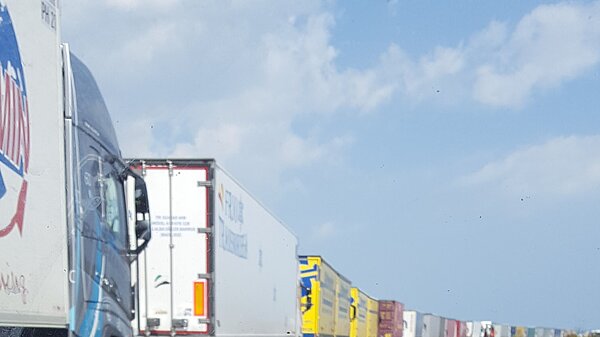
[(308, 304), (143, 230), (140, 216), (141, 196), (352, 312)]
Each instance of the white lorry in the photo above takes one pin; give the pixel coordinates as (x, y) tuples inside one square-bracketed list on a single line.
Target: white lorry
[(66, 242), (482, 329), (219, 263), (503, 330), (413, 323), (433, 326)]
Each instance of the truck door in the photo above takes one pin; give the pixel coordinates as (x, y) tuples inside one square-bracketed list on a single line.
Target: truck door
[(102, 263)]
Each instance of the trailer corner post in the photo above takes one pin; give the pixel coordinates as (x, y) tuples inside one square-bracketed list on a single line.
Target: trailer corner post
[(146, 298), (171, 245)]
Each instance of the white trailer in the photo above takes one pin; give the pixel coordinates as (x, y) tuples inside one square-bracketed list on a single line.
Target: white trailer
[(219, 263), (481, 329), (33, 254), (502, 330), (539, 332), (474, 329), (433, 326), (413, 323), (66, 244)]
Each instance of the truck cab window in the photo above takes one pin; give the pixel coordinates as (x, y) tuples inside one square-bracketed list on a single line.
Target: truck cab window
[(112, 206), (113, 212)]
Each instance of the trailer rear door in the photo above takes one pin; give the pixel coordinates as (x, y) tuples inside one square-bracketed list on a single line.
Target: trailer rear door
[(174, 269)]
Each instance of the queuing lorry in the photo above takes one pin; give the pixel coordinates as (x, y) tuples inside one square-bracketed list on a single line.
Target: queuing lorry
[(539, 332), (503, 330), (481, 329), (461, 328), (413, 324), (373, 318), (391, 318), (450, 327), (325, 299), (364, 314), (358, 313), (488, 329), (433, 326), (219, 264), (518, 331), (456, 328), (73, 216), (474, 329)]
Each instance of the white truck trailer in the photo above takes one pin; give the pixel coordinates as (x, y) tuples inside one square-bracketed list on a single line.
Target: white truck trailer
[(66, 243), (502, 330), (433, 326), (219, 264), (413, 323)]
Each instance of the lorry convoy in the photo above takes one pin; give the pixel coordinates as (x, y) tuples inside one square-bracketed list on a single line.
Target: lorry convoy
[(434, 325), (79, 256)]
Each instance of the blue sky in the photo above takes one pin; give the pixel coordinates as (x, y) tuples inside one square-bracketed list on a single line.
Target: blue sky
[(445, 155)]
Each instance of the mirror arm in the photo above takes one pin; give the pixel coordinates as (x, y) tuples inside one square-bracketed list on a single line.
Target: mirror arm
[(127, 171), (141, 247), (120, 166)]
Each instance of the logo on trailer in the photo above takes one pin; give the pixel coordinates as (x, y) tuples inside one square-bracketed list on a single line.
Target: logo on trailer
[(231, 215), (14, 129), (232, 206)]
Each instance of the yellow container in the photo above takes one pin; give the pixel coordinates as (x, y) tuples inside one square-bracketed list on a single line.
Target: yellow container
[(519, 331), (325, 299), (342, 317), (358, 313), (372, 317)]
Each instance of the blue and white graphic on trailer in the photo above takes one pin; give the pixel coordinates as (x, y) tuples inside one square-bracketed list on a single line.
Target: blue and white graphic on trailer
[(14, 124)]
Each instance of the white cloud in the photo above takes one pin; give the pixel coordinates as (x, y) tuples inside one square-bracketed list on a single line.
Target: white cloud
[(304, 59), (210, 80), (553, 44), (563, 166), (425, 77), (145, 47), (213, 81), (136, 4), (501, 67), (296, 151)]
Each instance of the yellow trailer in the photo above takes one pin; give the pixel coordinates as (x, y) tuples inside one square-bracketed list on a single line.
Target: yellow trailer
[(518, 331), (325, 299), (342, 320), (372, 317), (358, 313)]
